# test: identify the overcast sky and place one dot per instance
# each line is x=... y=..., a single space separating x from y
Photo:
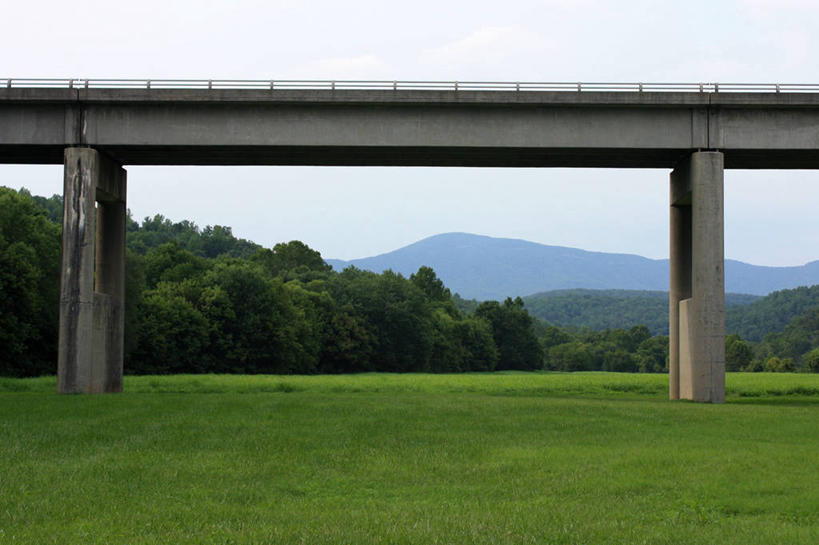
x=770 y=216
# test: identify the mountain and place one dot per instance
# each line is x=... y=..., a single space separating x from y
x=482 y=267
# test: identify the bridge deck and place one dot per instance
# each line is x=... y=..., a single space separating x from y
x=410 y=127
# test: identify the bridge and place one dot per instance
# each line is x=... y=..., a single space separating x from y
x=696 y=130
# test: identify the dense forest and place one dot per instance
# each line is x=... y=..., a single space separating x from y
x=200 y=300
x=771 y=314
x=609 y=309
x=750 y=317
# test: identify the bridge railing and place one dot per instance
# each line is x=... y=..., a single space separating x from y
x=396 y=85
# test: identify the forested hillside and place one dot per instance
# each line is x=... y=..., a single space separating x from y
x=749 y=316
x=608 y=309
x=200 y=300
x=776 y=332
x=772 y=313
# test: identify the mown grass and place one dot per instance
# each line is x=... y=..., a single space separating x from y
x=493 y=458
x=738 y=385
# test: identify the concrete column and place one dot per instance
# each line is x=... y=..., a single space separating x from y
x=680 y=283
x=697 y=347
x=109 y=296
x=92 y=291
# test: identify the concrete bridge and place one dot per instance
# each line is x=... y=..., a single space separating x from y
x=95 y=127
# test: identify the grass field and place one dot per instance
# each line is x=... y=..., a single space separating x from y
x=486 y=458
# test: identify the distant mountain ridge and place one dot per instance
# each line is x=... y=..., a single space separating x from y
x=482 y=267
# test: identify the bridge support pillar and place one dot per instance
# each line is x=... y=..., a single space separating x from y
x=696 y=362
x=92 y=285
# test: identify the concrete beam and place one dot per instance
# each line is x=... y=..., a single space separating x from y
x=697 y=326
x=92 y=288
x=432 y=128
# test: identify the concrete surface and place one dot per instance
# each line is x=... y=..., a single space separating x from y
x=679 y=287
x=446 y=128
x=698 y=277
x=92 y=286
x=687 y=369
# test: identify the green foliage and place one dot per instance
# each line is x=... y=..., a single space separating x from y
x=348 y=345
x=291 y=260
x=621 y=350
x=771 y=313
x=428 y=282
x=617 y=309
x=479 y=350
x=134 y=289
x=738 y=353
x=788 y=319
x=513 y=331
x=396 y=313
x=756 y=366
x=211 y=242
x=29 y=286
x=160 y=230
x=52 y=206
x=799 y=336
x=652 y=355
x=218 y=240
x=467 y=306
x=168 y=263
x=462 y=344
x=174 y=334
x=201 y=300
x=553 y=336
x=779 y=365
x=571 y=356
x=811 y=361
x=602 y=309
x=255 y=313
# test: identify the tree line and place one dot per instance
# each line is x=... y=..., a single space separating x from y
x=749 y=316
x=202 y=300
x=205 y=301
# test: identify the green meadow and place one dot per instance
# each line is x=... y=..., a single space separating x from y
x=380 y=458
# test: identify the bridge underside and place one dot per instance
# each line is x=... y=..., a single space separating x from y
x=411 y=156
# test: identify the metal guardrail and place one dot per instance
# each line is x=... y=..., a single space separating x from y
x=84 y=83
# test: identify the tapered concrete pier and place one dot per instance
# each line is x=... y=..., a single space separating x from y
x=697 y=284
x=92 y=288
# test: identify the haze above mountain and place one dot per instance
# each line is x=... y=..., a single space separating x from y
x=482 y=267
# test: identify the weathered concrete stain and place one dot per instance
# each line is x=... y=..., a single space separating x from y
x=91 y=324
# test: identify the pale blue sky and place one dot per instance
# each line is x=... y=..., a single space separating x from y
x=356 y=212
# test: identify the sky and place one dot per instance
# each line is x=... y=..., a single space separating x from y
x=770 y=216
